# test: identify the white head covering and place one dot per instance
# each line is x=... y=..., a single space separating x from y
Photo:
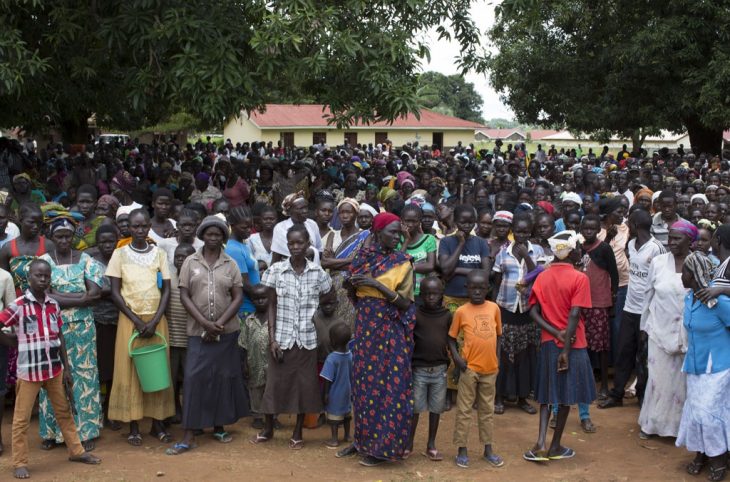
x=699 y=196
x=655 y=196
x=564 y=242
x=367 y=207
x=127 y=209
x=572 y=197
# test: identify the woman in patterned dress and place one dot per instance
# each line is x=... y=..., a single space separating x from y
x=382 y=285
x=76 y=281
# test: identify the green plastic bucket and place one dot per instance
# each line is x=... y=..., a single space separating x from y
x=150 y=361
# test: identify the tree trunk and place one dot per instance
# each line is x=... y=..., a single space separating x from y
x=75 y=129
x=703 y=139
x=636 y=140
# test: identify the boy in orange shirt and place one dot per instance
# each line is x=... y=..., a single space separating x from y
x=481 y=324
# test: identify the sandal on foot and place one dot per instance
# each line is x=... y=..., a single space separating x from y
x=180 y=448
x=259 y=439
x=494 y=459
x=433 y=455
x=113 y=425
x=134 y=439
x=566 y=453
x=48 y=444
x=717 y=473
x=499 y=408
x=86 y=458
x=223 y=437
x=695 y=467
x=462 y=461
x=406 y=454
x=348 y=451
x=89 y=445
x=21 y=473
x=332 y=444
x=162 y=436
x=587 y=425
x=370 y=461
x=535 y=456
x=527 y=408
x=296 y=444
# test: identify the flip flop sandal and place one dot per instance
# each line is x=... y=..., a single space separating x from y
x=533 y=456
x=587 y=426
x=259 y=439
x=134 y=440
x=462 y=461
x=406 y=454
x=494 y=459
x=527 y=408
x=717 y=473
x=332 y=444
x=223 y=437
x=163 y=437
x=566 y=454
x=180 y=448
x=499 y=409
x=433 y=455
x=348 y=451
x=296 y=444
x=695 y=467
x=87 y=459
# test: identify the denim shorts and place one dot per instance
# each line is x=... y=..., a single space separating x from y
x=429 y=389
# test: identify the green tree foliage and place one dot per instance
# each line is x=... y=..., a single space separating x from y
x=136 y=62
x=451 y=95
x=619 y=66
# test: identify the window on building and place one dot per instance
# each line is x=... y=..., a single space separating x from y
x=287 y=139
x=318 y=137
x=438 y=139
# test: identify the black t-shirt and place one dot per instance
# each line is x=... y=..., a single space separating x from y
x=431 y=335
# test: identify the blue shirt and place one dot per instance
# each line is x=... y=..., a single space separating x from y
x=475 y=250
x=336 y=370
x=708 y=335
x=241 y=254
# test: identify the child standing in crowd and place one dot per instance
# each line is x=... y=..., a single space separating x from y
x=186 y=226
x=564 y=373
x=336 y=374
x=430 y=361
x=480 y=323
x=42 y=363
x=254 y=339
x=177 y=322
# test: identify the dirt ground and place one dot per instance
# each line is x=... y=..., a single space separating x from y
x=614 y=453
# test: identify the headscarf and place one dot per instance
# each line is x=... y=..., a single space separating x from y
x=504 y=216
x=402 y=176
x=699 y=196
x=707 y=224
x=686 y=228
x=441 y=183
x=61 y=223
x=352 y=202
x=382 y=220
x=655 y=196
x=547 y=207
x=407 y=181
x=123 y=181
x=564 y=242
x=700 y=265
x=645 y=191
x=386 y=193
x=203 y=177
x=110 y=201
x=122 y=210
x=428 y=207
x=572 y=197
x=368 y=208
x=289 y=200
x=22 y=175
x=608 y=205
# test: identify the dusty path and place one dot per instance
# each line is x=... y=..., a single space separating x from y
x=614 y=453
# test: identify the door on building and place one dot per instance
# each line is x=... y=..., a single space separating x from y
x=351 y=138
x=287 y=139
x=381 y=137
x=318 y=137
x=438 y=140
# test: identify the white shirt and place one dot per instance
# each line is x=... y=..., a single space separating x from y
x=664 y=306
x=278 y=241
x=168 y=245
x=639 y=264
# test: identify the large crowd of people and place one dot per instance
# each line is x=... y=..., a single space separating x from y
x=359 y=286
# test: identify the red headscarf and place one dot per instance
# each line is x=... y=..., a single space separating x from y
x=382 y=220
x=547 y=207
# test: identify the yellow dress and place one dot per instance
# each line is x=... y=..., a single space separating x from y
x=138 y=273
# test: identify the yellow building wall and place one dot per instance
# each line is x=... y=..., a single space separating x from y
x=243 y=130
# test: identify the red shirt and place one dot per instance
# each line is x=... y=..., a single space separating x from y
x=558 y=289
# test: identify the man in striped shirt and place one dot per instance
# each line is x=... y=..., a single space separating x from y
x=42 y=363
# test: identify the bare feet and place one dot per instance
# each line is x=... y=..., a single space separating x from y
x=21 y=473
